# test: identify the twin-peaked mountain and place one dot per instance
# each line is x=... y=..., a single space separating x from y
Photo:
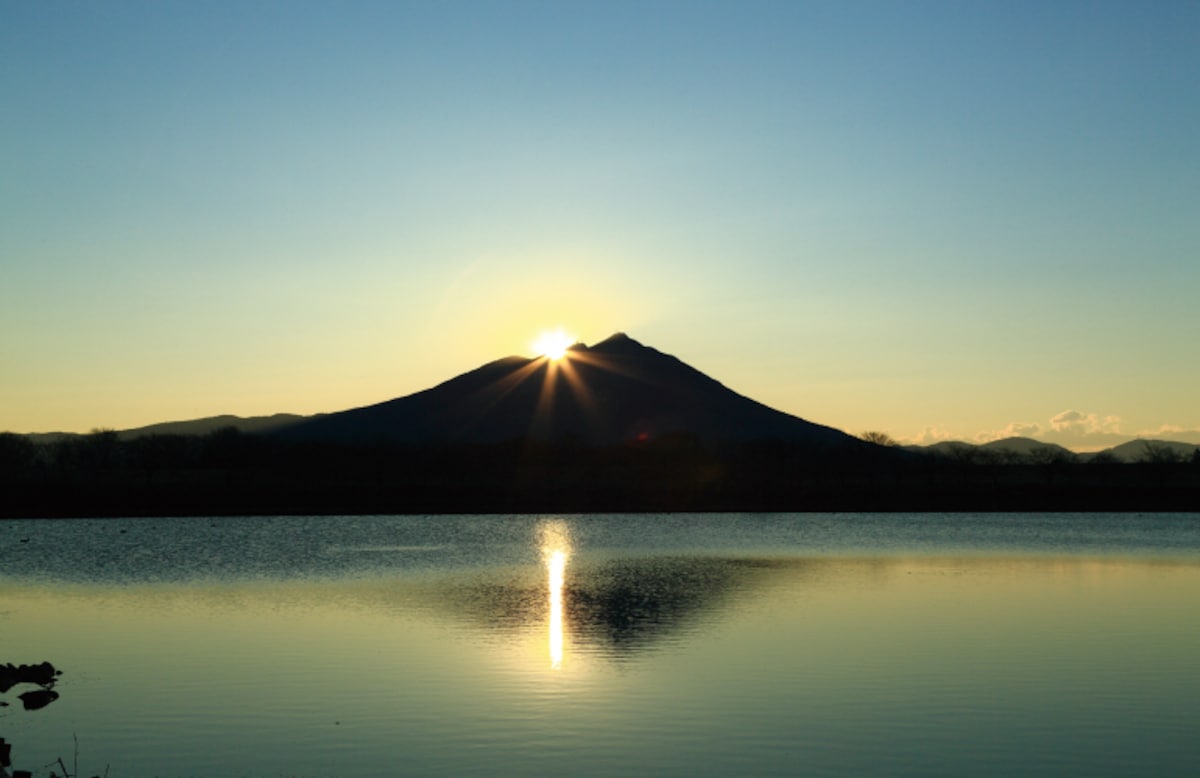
x=538 y=435
x=614 y=392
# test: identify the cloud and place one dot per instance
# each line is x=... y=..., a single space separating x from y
x=928 y=436
x=1015 y=429
x=1066 y=419
x=1083 y=431
x=1074 y=429
x=1171 y=432
x=1085 y=423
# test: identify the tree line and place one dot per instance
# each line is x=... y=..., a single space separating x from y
x=229 y=472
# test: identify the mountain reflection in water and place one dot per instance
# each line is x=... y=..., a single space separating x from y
x=613 y=609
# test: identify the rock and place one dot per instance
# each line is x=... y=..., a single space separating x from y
x=37 y=699
x=42 y=674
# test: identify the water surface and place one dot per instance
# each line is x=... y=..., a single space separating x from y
x=591 y=645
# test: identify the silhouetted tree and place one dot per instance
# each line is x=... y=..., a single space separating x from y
x=17 y=454
x=64 y=456
x=1011 y=456
x=100 y=449
x=156 y=453
x=233 y=451
x=1160 y=454
x=879 y=438
x=966 y=454
x=1049 y=455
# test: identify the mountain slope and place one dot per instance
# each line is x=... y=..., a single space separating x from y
x=615 y=391
x=209 y=424
x=1142 y=450
x=1026 y=446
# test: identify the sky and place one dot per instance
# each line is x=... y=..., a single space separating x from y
x=938 y=220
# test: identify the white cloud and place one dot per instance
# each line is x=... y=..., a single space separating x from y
x=1171 y=432
x=928 y=436
x=1066 y=419
x=1081 y=423
x=1015 y=429
x=1083 y=431
x=1073 y=429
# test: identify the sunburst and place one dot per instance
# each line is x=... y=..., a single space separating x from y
x=553 y=344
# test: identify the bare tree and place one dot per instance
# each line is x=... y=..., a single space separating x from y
x=879 y=438
x=101 y=448
x=17 y=453
x=1160 y=454
x=1049 y=455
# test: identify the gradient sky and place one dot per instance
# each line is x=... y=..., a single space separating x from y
x=958 y=219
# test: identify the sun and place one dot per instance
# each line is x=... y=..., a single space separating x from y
x=553 y=344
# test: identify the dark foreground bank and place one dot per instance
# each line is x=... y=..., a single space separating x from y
x=230 y=473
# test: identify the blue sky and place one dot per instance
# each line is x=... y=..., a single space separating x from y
x=935 y=219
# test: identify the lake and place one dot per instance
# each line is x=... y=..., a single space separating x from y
x=738 y=644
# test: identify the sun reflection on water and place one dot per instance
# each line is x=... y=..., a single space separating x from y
x=555 y=551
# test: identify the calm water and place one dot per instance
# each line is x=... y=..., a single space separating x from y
x=744 y=644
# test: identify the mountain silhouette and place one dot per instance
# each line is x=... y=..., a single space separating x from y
x=617 y=391
x=1030 y=451
x=204 y=426
x=613 y=427
x=1144 y=450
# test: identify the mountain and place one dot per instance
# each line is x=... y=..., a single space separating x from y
x=209 y=424
x=1142 y=450
x=613 y=392
x=1032 y=451
x=247 y=424
x=470 y=445
x=1026 y=446
x=1004 y=451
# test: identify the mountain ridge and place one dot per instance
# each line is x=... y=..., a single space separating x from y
x=616 y=427
x=1018 y=448
x=616 y=391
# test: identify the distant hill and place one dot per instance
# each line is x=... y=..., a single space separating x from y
x=1027 y=446
x=252 y=424
x=1039 y=452
x=1141 y=450
x=613 y=392
x=957 y=449
x=1006 y=450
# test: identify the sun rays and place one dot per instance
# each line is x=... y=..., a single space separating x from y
x=556 y=397
x=553 y=344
